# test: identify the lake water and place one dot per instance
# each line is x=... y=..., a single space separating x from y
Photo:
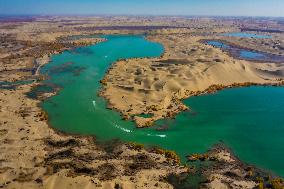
x=251 y=55
x=241 y=53
x=246 y=35
x=248 y=120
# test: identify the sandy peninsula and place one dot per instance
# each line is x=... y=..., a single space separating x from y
x=33 y=155
x=187 y=68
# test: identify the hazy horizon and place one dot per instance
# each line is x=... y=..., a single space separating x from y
x=234 y=8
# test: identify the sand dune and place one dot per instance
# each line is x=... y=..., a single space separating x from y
x=32 y=155
x=35 y=156
x=187 y=67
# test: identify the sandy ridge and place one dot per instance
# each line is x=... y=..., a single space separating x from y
x=188 y=67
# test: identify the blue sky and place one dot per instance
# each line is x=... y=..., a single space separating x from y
x=144 y=7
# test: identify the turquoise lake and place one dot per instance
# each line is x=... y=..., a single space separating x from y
x=242 y=53
x=250 y=121
x=246 y=54
x=246 y=35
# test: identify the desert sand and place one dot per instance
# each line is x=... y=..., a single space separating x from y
x=187 y=67
x=33 y=155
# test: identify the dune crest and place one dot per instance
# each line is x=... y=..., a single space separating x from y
x=156 y=86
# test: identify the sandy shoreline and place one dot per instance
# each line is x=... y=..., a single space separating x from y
x=49 y=159
x=156 y=86
x=33 y=155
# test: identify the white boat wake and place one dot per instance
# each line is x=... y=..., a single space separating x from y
x=130 y=131
x=162 y=136
x=123 y=129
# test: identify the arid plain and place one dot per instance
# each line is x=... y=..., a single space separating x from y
x=34 y=155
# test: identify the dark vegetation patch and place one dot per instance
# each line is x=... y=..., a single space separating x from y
x=79 y=164
x=107 y=171
x=103 y=172
x=62 y=143
x=66 y=153
x=38 y=91
x=140 y=161
x=236 y=170
x=110 y=146
x=183 y=181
